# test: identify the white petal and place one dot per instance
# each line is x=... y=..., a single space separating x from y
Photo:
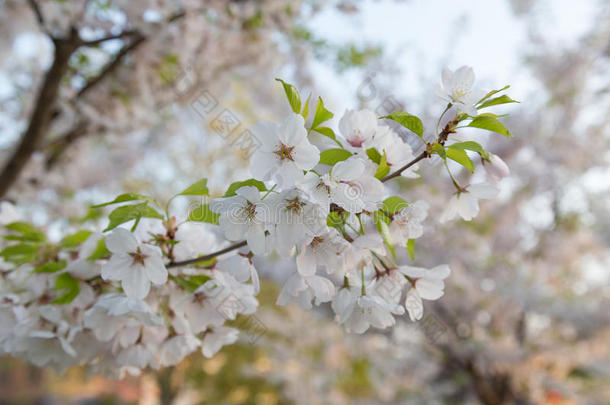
x=155 y=269
x=450 y=211
x=263 y=165
x=306 y=156
x=430 y=289
x=250 y=193
x=117 y=266
x=292 y=131
x=120 y=240
x=349 y=169
x=439 y=272
x=484 y=191
x=135 y=283
x=267 y=134
x=414 y=305
x=306 y=262
x=468 y=206
x=256 y=238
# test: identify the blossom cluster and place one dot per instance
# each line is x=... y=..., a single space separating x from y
x=146 y=297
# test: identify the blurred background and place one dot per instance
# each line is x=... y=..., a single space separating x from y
x=524 y=319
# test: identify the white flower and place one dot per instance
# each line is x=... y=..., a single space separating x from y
x=218 y=337
x=295 y=219
x=496 y=168
x=359 y=311
x=135 y=265
x=348 y=185
x=242 y=269
x=326 y=250
x=284 y=151
x=243 y=215
x=358 y=129
x=457 y=89
x=361 y=252
x=301 y=290
x=119 y=319
x=407 y=222
x=173 y=350
x=466 y=203
x=194 y=239
x=427 y=285
x=398 y=153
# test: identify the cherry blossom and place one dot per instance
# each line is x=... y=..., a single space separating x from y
x=243 y=215
x=466 y=203
x=457 y=89
x=135 y=265
x=284 y=151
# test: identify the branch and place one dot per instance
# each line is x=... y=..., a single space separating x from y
x=58 y=146
x=397 y=173
x=112 y=65
x=109 y=37
x=41 y=114
x=442 y=138
x=209 y=256
x=39 y=17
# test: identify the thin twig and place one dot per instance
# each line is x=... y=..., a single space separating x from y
x=98 y=41
x=209 y=256
x=39 y=17
x=397 y=173
x=112 y=65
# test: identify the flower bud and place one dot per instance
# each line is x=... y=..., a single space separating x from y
x=496 y=168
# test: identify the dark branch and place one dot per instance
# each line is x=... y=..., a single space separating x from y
x=397 y=173
x=208 y=257
x=112 y=65
x=98 y=41
x=41 y=114
x=39 y=17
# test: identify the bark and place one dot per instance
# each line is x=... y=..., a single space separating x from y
x=41 y=114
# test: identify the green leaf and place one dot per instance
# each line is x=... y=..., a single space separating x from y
x=198 y=188
x=439 y=150
x=383 y=169
x=128 y=213
x=203 y=213
x=469 y=145
x=408 y=121
x=491 y=93
x=305 y=111
x=329 y=133
x=374 y=155
x=332 y=156
x=100 y=251
x=292 y=95
x=128 y=197
x=411 y=248
x=27 y=231
x=51 y=267
x=460 y=156
x=504 y=99
x=75 y=239
x=322 y=115
x=69 y=288
x=20 y=253
x=490 y=124
x=190 y=283
x=394 y=204
x=239 y=184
